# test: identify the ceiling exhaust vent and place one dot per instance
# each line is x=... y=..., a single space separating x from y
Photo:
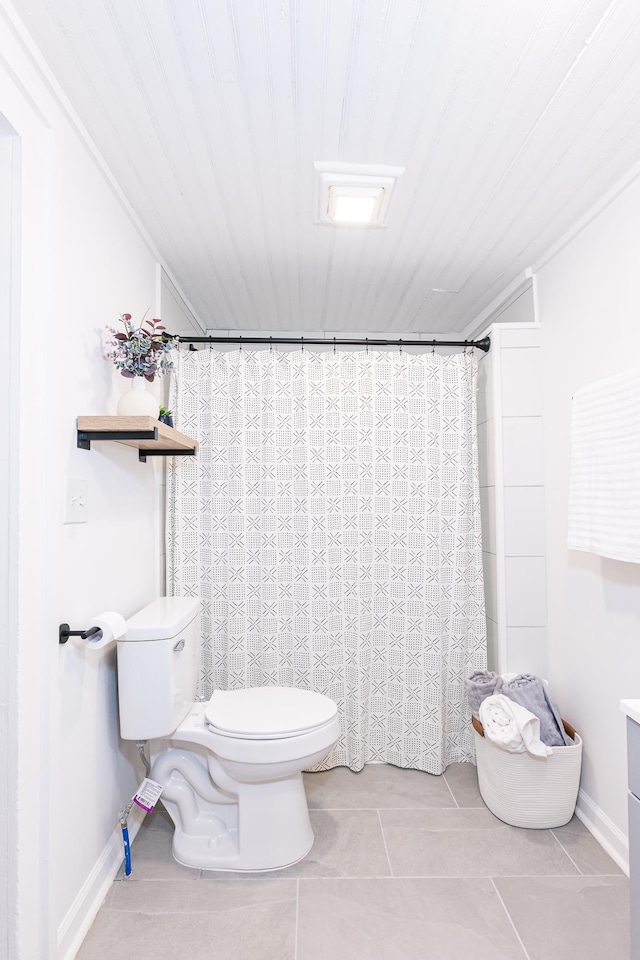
x=350 y=194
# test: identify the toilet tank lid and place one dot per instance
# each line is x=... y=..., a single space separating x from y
x=162 y=619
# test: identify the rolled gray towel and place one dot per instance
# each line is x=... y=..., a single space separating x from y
x=479 y=685
x=531 y=692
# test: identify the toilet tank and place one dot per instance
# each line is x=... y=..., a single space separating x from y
x=158 y=664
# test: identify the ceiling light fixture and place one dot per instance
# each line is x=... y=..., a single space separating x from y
x=351 y=194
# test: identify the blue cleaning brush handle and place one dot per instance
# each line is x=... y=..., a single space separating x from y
x=127 y=851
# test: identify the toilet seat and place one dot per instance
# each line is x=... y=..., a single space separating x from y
x=268 y=713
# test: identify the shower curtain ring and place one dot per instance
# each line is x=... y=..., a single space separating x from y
x=400 y=346
x=301 y=344
x=433 y=348
x=334 y=344
x=367 y=347
x=270 y=344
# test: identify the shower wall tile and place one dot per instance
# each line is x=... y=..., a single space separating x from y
x=526 y=592
x=524 y=531
x=492 y=645
x=486 y=453
x=527 y=650
x=488 y=518
x=513 y=339
x=523 y=459
x=490 y=584
x=511 y=469
x=521 y=383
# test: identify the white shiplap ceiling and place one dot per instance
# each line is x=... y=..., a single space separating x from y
x=511 y=118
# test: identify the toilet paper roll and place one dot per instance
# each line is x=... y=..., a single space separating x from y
x=113 y=626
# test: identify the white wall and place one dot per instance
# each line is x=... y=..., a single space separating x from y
x=83 y=261
x=588 y=297
x=8 y=598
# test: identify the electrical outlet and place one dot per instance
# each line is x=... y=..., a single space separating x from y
x=75 y=502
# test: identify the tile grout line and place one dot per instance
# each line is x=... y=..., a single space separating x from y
x=444 y=777
x=564 y=850
x=190 y=913
x=403 y=876
x=524 y=949
x=358 y=809
x=384 y=841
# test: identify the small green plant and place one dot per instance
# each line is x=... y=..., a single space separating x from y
x=166 y=416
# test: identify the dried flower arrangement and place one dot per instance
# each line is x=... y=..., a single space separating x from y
x=140 y=351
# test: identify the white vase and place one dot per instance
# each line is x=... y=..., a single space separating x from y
x=137 y=401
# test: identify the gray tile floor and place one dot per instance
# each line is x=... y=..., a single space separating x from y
x=405 y=866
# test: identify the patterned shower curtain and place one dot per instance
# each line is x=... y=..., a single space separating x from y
x=331 y=525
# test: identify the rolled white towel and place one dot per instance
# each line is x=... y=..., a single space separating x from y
x=512 y=726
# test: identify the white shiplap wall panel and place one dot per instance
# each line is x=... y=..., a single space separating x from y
x=557 y=180
x=515 y=192
x=176 y=99
x=458 y=187
x=511 y=119
x=444 y=156
x=121 y=86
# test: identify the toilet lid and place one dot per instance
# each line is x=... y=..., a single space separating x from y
x=262 y=713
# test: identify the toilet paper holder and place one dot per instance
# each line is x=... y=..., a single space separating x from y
x=64 y=633
x=103 y=630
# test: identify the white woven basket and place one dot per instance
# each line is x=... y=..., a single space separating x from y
x=528 y=791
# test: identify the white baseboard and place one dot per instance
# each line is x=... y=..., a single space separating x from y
x=610 y=837
x=82 y=912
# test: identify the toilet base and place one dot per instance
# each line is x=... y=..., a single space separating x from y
x=258 y=827
x=196 y=852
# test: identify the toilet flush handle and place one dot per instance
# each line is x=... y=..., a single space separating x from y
x=179 y=646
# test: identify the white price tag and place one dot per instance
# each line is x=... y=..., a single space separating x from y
x=149 y=792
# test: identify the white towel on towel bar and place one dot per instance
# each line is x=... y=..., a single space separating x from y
x=604 y=484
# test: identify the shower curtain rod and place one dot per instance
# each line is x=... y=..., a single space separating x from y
x=484 y=344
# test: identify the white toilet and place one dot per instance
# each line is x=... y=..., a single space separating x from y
x=231 y=767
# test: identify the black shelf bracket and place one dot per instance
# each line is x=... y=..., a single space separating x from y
x=86 y=436
x=143 y=454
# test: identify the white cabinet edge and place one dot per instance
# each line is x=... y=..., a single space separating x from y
x=631 y=708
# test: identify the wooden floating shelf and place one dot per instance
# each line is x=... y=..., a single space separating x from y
x=152 y=438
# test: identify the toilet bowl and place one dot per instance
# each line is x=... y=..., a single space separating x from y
x=231 y=767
